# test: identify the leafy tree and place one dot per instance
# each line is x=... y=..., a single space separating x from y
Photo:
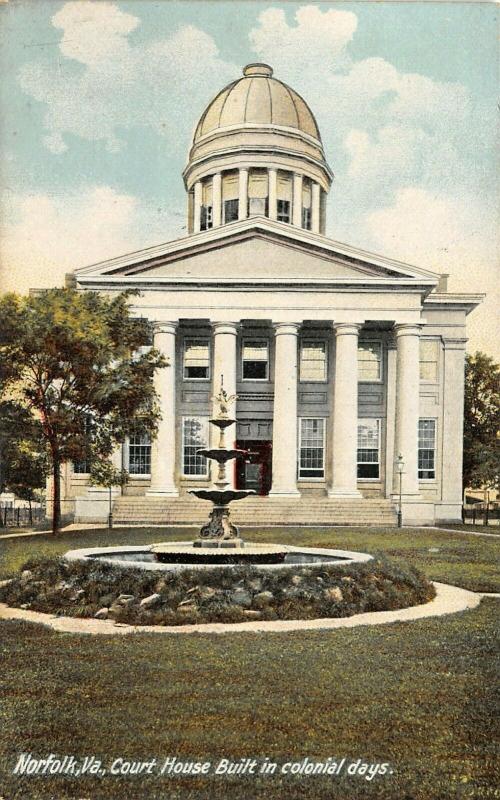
x=78 y=362
x=482 y=422
x=23 y=458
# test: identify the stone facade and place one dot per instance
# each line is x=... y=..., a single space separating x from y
x=341 y=359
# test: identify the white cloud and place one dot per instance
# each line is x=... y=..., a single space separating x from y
x=107 y=83
x=43 y=237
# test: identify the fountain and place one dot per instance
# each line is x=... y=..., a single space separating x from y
x=219 y=533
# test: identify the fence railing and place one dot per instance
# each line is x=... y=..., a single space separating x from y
x=481 y=513
x=22 y=516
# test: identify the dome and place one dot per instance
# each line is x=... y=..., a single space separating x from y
x=257 y=99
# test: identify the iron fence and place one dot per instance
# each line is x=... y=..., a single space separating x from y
x=20 y=516
x=481 y=513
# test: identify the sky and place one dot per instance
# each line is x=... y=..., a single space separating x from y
x=99 y=101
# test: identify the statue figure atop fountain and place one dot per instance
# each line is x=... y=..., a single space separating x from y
x=219 y=531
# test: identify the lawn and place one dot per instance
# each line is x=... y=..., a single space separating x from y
x=418 y=696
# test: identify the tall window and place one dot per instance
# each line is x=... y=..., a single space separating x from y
x=196 y=359
x=139 y=454
x=369 y=361
x=206 y=218
x=194 y=438
x=313 y=361
x=255 y=358
x=283 y=211
x=429 y=360
x=312 y=448
x=306 y=218
x=230 y=210
x=369 y=448
x=426 y=449
x=82 y=467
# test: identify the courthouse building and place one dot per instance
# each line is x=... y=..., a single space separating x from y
x=341 y=360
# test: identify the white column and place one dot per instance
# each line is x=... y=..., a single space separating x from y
x=272 y=193
x=407 y=403
x=390 y=421
x=163 y=445
x=285 y=411
x=197 y=207
x=217 y=199
x=297 y=200
x=224 y=366
x=345 y=412
x=452 y=434
x=243 y=194
x=315 y=211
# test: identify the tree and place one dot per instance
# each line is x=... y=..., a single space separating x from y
x=23 y=458
x=78 y=363
x=481 y=422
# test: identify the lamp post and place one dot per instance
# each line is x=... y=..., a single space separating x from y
x=110 y=514
x=400 y=467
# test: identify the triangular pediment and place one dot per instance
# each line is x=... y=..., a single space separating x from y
x=256 y=249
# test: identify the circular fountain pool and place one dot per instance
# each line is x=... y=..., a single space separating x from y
x=184 y=556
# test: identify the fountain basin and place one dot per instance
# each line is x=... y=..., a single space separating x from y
x=221 y=497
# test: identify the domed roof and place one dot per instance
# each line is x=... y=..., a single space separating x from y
x=255 y=99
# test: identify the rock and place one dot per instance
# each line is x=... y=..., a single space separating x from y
x=161 y=585
x=250 y=614
x=106 y=600
x=319 y=580
x=26 y=575
x=79 y=595
x=187 y=608
x=206 y=592
x=125 y=600
x=296 y=580
x=334 y=594
x=347 y=579
x=151 y=601
x=241 y=597
x=25 y=605
x=188 y=602
x=193 y=589
x=255 y=584
x=102 y=613
x=293 y=591
x=263 y=599
x=63 y=586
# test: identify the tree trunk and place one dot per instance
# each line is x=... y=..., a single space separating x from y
x=56 y=503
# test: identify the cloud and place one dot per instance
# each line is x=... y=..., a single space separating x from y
x=43 y=237
x=108 y=83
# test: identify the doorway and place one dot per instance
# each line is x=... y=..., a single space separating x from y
x=254 y=472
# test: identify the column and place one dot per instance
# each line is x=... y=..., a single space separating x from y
x=315 y=207
x=272 y=193
x=345 y=412
x=243 y=194
x=217 y=199
x=285 y=411
x=452 y=428
x=163 y=445
x=390 y=455
x=297 y=200
x=407 y=403
x=197 y=207
x=224 y=364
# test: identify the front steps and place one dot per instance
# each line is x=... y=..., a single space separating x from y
x=257 y=511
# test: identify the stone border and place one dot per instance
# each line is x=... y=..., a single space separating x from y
x=448 y=600
x=345 y=557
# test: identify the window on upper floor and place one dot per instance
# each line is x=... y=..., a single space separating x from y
x=313 y=367
x=206 y=218
x=429 y=355
x=231 y=210
x=369 y=448
x=196 y=360
x=306 y=219
x=311 y=448
x=194 y=438
x=426 y=449
x=283 y=210
x=255 y=360
x=369 y=361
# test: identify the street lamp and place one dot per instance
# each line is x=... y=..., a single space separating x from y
x=110 y=514
x=400 y=467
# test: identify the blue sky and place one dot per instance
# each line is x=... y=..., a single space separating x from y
x=99 y=100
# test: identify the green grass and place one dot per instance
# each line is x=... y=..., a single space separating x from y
x=419 y=695
x=467 y=561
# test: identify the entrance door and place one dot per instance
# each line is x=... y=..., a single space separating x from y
x=254 y=472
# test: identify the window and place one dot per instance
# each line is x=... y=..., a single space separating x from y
x=426 y=449
x=230 y=210
x=194 y=438
x=306 y=218
x=369 y=361
x=196 y=360
x=369 y=448
x=255 y=358
x=283 y=211
x=139 y=454
x=206 y=218
x=312 y=448
x=82 y=467
x=313 y=361
x=429 y=360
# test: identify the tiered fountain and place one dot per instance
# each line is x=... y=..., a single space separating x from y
x=219 y=541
